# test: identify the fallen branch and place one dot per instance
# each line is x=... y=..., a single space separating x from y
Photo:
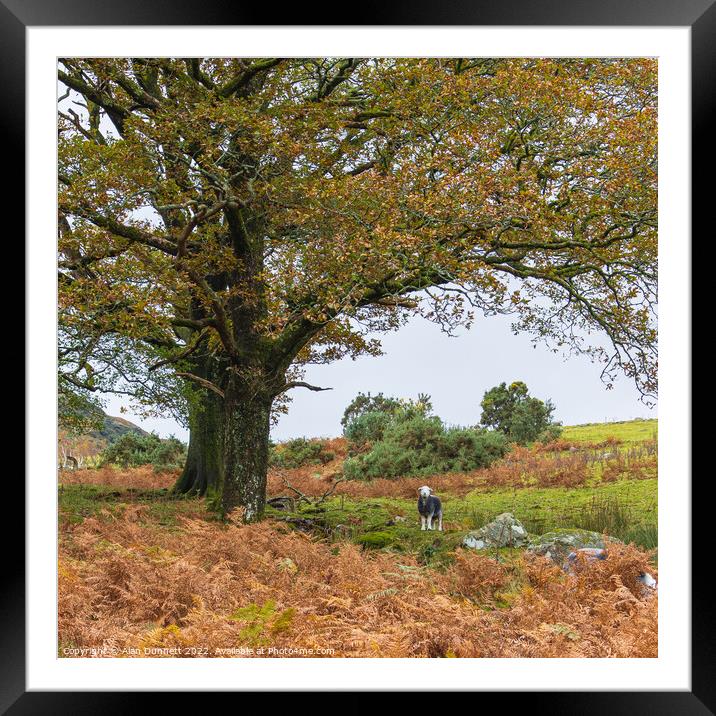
x=300 y=495
x=331 y=490
x=313 y=501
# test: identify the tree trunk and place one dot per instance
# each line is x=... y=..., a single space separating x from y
x=247 y=421
x=203 y=472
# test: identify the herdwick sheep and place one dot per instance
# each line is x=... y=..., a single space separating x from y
x=429 y=507
x=647 y=580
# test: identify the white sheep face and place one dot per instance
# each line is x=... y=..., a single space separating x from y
x=425 y=491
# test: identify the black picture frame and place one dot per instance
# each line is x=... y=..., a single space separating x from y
x=699 y=15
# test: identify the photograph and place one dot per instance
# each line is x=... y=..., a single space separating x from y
x=357 y=357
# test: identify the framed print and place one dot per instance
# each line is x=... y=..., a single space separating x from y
x=344 y=346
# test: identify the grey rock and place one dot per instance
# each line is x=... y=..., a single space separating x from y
x=557 y=545
x=504 y=531
x=471 y=541
x=590 y=553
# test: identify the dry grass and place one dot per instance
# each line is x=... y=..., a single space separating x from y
x=132 y=580
x=539 y=466
x=562 y=444
x=126 y=582
x=144 y=477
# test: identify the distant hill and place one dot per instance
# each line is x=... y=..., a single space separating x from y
x=94 y=442
x=115 y=427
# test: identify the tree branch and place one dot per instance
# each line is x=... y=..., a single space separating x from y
x=183 y=354
x=116 y=112
x=204 y=383
x=118 y=229
x=299 y=384
x=242 y=79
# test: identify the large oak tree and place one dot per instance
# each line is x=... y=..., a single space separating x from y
x=244 y=217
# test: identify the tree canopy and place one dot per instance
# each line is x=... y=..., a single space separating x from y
x=271 y=213
x=521 y=417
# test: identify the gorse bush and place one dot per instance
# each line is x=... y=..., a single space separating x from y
x=367 y=428
x=367 y=417
x=392 y=437
x=299 y=452
x=422 y=445
x=135 y=450
x=367 y=403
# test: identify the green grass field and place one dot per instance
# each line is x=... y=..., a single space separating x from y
x=625 y=508
x=628 y=431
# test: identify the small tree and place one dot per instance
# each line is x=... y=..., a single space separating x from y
x=522 y=418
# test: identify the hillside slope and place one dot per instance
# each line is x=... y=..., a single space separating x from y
x=627 y=431
x=92 y=443
x=343 y=568
x=114 y=427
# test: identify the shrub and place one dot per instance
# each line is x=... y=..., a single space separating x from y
x=299 y=452
x=470 y=448
x=367 y=417
x=367 y=428
x=134 y=450
x=422 y=445
x=383 y=460
x=367 y=403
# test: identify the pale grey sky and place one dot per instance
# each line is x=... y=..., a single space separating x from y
x=454 y=371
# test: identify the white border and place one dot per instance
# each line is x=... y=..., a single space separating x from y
x=671 y=671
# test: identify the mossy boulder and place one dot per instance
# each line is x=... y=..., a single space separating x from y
x=559 y=543
x=375 y=540
x=504 y=531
